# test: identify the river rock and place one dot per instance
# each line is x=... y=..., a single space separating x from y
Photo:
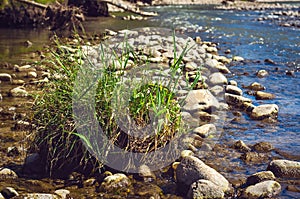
x=18 y=92
x=217 y=79
x=5 y=77
x=205 y=189
x=25 y=68
x=190 y=66
x=212 y=50
x=18 y=82
x=241 y=146
x=233 y=90
x=236 y=100
x=254 y=157
x=232 y=82
x=9 y=192
x=238 y=59
x=205 y=130
x=217 y=90
x=201 y=99
x=1 y=98
x=260 y=95
x=263 y=147
x=63 y=193
x=6 y=173
x=285 y=168
x=114 y=182
x=265 y=111
x=262 y=73
x=31 y=74
x=192 y=169
x=259 y=177
x=255 y=86
x=265 y=189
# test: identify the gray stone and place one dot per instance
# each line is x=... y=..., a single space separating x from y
x=192 y=169
x=265 y=111
x=5 y=77
x=217 y=79
x=18 y=92
x=236 y=100
x=200 y=100
x=262 y=73
x=265 y=189
x=6 y=173
x=233 y=90
x=114 y=182
x=190 y=66
x=285 y=168
x=217 y=90
x=205 y=189
x=205 y=130
x=259 y=177
x=9 y=192
x=211 y=63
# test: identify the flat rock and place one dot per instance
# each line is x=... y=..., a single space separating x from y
x=265 y=189
x=260 y=95
x=285 y=168
x=259 y=177
x=192 y=169
x=217 y=79
x=5 y=77
x=233 y=90
x=265 y=111
x=236 y=100
x=205 y=189
x=200 y=100
x=205 y=130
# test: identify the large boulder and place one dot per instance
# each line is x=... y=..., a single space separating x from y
x=285 y=168
x=192 y=169
x=265 y=111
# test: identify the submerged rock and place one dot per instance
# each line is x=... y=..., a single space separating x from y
x=265 y=189
x=241 y=146
x=262 y=73
x=192 y=169
x=259 y=177
x=265 y=111
x=285 y=168
x=263 y=147
x=202 y=189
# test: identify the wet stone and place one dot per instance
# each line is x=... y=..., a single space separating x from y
x=6 y=173
x=205 y=189
x=265 y=111
x=255 y=86
x=233 y=90
x=260 y=95
x=265 y=189
x=205 y=130
x=262 y=73
x=285 y=168
x=236 y=100
x=114 y=182
x=259 y=177
x=254 y=157
x=263 y=147
x=241 y=146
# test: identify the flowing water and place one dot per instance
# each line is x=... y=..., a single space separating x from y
x=238 y=31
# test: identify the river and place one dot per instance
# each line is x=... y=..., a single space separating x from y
x=238 y=31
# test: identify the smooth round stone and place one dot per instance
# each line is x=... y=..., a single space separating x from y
x=265 y=111
x=262 y=73
x=233 y=90
x=260 y=95
x=218 y=79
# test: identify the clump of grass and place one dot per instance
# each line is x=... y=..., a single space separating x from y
x=63 y=149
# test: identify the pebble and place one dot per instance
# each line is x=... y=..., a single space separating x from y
x=262 y=73
x=5 y=77
x=265 y=111
x=285 y=168
x=18 y=92
x=114 y=182
x=241 y=146
x=205 y=189
x=255 y=86
x=233 y=90
x=260 y=177
x=265 y=189
x=217 y=79
x=9 y=192
x=6 y=173
x=32 y=74
x=205 y=130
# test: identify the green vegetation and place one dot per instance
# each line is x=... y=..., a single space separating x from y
x=56 y=137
